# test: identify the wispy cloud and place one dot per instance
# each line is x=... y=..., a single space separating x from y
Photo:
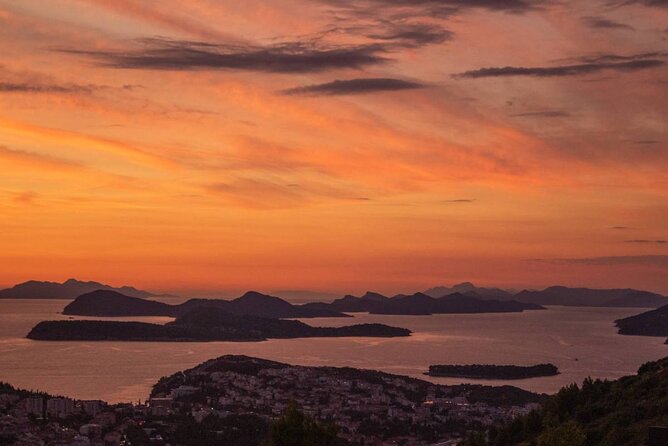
x=643 y=241
x=516 y=6
x=37 y=159
x=291 y=57
x=26 y=87
x=411 y=34
x=354 y=86
x=604 y=23
x=459 y=201
x=641 y=260
x=543 y=114
x=562 y=70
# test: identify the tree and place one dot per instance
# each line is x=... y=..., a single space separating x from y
x=566 y=434
x=294 y=428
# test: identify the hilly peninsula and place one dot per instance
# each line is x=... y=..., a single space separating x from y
x=202 y=324
x=486 y=371
x=649 y=323
x=112 y=304
x=69 y=289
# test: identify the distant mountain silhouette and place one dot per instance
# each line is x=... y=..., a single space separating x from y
x=560 y=295
x=202 y=324
x=581 y=297
x=650 y=323
x=69 y=289
x=113 y=304
x=422 y=304
x=469 y=289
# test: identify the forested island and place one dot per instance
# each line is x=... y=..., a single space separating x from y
x=486 y=371
x=202 y=324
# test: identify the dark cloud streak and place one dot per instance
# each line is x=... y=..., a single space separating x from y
x=354 y=86
x=25 y=87
x=295 y=57
x=561 y=70
x=603 y=23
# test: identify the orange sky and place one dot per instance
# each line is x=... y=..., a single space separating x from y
x=334 y=145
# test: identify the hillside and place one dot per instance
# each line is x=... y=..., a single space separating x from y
x=650 y=323
x=599 y=413
x=69 y=289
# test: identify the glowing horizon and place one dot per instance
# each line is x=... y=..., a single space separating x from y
x=334 y=145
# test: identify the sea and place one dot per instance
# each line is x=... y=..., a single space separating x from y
x=582 y=342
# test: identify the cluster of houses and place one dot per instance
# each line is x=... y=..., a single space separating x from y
x=361 y=404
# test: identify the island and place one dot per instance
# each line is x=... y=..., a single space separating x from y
x=560 y=295
x=202 y=324
x=107 y=303
x=486 y=371
x=70 y=289
x=422 y=304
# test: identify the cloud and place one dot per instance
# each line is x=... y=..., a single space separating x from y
x=25 y=198
x=515 y=6
x=543 y=114
x=264 y=193
x=562 y=70
x=412 y=34
x=655 y=260
x=646 y=241
x=459 y=200
x=37 y=159
x=658 y=3
x=291 y=57
x=354 y=86
x=604 y=58
x=25 y=87
x=603 y=23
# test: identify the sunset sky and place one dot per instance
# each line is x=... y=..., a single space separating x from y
x=334 y=145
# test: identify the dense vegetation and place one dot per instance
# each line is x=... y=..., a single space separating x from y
x=484 y=371
x=599 y=413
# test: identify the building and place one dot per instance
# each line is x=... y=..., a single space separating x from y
x=91 y=430
x=658 y=436
x=59 y=407
x=92 y=407
x=35 y=406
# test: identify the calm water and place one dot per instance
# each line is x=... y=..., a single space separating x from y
x=580 y=341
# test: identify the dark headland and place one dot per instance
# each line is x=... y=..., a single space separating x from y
x=486 y=371
x=649 y=323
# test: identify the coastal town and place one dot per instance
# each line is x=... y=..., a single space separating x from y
x=235 y=393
